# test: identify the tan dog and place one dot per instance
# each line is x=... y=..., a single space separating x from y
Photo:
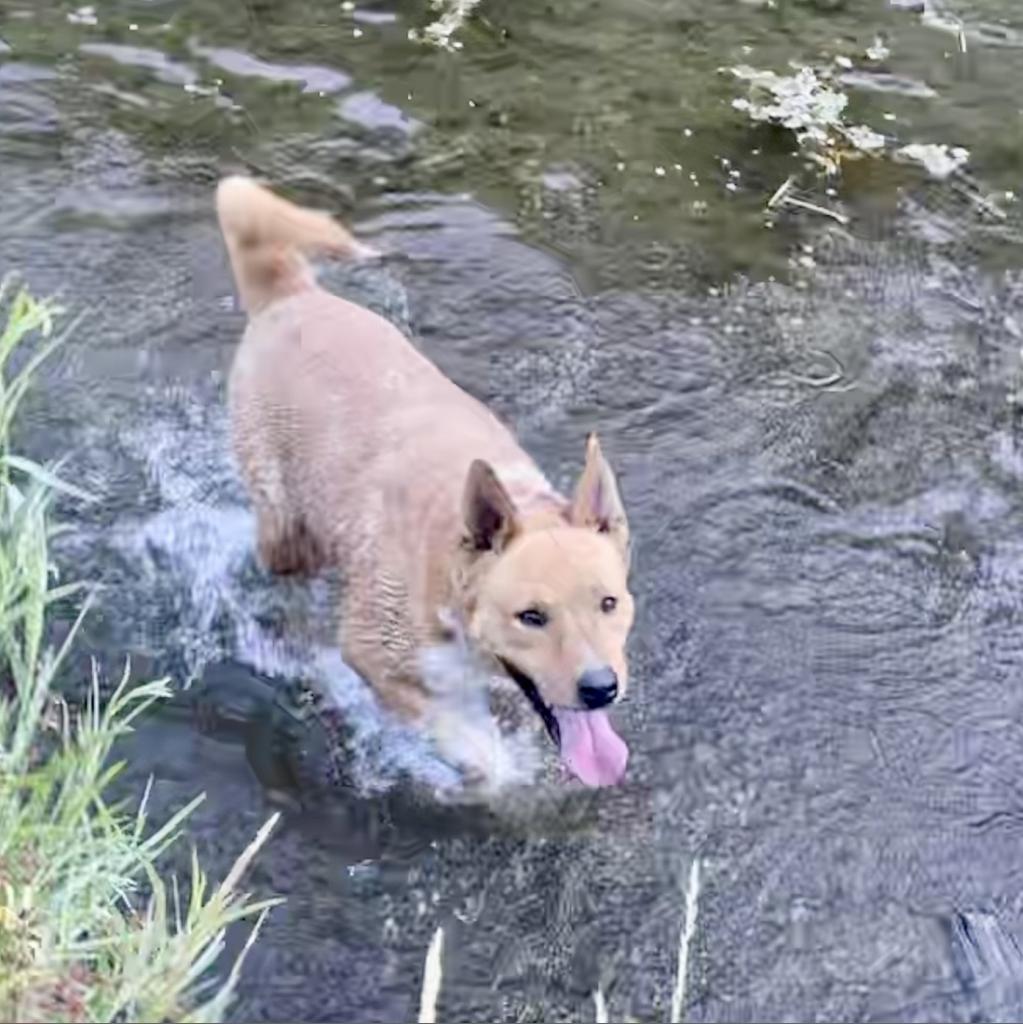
x=462 y=565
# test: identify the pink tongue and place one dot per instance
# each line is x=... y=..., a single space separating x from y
x=590 y=747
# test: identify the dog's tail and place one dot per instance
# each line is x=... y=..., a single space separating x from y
x=267 y=238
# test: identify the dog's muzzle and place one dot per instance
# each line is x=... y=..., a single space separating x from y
x=584 y=737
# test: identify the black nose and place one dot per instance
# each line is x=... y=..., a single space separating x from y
x=598 y=687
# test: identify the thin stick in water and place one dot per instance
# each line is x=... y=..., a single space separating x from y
x=824 y=211
x=599 y=1006
x=432 y=975
x=678 y=996
x=780 y=192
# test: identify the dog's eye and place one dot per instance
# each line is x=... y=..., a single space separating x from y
x=532 y=617
x=608 y=605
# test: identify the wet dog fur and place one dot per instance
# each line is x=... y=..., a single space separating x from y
x=464 y=571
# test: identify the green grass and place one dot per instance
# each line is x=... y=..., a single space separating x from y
x=89 y=930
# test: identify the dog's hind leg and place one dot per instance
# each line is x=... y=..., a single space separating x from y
x=285 y=543
x=283 y=540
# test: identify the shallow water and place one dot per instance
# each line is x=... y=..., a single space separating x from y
x=825 y=707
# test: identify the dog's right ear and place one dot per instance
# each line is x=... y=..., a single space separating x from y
x=488 y=511
x=597 y=504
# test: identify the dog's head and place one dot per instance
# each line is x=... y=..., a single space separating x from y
x=547 y=597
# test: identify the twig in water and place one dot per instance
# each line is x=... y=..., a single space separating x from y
x=432 y=975
x=802 y=204
x=950 y=23
x=678 y=996
x=599 y=1006
x=978 y=200
x=781 y=197
x=825 y=381
x=781 y=192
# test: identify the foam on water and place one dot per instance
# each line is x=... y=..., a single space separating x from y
x=199 y=588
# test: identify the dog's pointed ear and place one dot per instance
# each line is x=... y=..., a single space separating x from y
x=490 y=518
x=597 y=505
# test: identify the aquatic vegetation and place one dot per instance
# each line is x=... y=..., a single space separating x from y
x=805 y=102
x=89 y=930
x=433 y=972
x=685 y=939
x=812 y=105
x=938 y=160
x=453 y=14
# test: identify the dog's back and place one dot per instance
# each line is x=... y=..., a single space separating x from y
x=345 y=433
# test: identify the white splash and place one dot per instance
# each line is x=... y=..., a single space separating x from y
x=207 y=599
x=464 y=729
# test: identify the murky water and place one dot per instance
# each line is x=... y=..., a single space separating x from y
x=826 y=709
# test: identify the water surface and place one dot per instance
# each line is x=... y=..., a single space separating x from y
x=826 y=706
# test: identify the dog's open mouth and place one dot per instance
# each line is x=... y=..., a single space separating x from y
x=589 y=747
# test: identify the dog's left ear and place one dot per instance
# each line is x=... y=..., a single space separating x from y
x=597 y=503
